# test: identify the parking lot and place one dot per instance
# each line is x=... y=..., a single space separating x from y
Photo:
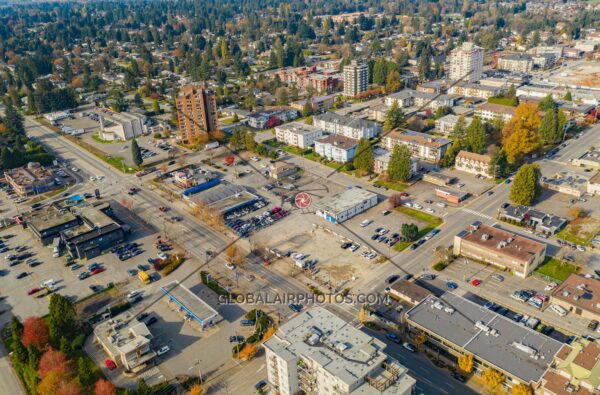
x=152 y=150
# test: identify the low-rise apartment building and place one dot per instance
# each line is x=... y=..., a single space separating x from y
x=516 y=62
x=337 y=148
x=574 y=370
x=423 y=146
x=298 y=134
x=317 y=352
x=469 y=89
x=490 y=111
x=462 y=327
x=381 y=160
x=348 y=126
x=470 y=162
x=31 y=179
x=318 y=104
x=271 y=118
x=445 y=125
x=409 y=97
x=579 y=295
x=500 y=248
x=593 y=186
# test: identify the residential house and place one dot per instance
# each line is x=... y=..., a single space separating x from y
x=270 y=118
x=381 y=160
x=539 y=221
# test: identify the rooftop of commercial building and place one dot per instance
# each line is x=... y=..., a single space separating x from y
x=345 y=200
x=501 y=241
x=516 y=56
x=123 y=334
x=189 y=301
x=591 y=156
x=581 y=292
x=224 y=197
x=29 y=174
x=512 y=348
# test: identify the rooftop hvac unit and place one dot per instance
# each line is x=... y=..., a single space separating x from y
x=482 y=326
x=485 y=236
x=438 y=305
x=342 y=346
x=502 y=244
x=449 y=310
x=525 y=348
x=313 y=339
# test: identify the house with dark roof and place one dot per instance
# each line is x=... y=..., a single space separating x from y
x=537 y=220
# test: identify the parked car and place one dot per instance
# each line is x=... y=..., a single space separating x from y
x=409 y=347
x=110 y=364
x=392 y=279
x=296 y=308
x=497 y=277
x=451 y=285
x=475 y=282
x=22 y=275
x=393 y=337
x=33 y=291
x=163 y=350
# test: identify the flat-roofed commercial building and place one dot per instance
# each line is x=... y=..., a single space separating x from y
x=121 y=125
x=504 y=249
x=127 y=342
x=343 y=206
x=580 y=296
x=317 y=352
x=190 y=305
x=30 y=179
x=463 y=327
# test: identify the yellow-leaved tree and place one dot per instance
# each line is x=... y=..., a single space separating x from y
x=492 y=378
x=520 y=135
x=465 y=363
x=521 y=389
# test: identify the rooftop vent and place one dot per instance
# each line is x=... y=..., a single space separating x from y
x=502 y=244
x=485 y=236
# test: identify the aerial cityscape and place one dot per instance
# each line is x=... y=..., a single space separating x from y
x=326 y=197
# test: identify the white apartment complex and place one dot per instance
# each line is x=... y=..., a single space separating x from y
x=354 y=128
x=468 y=58
x=336 y=147
x=445 y=125
x=516 y=62
x=298 y=134
x=317 y=353
x=356 y=78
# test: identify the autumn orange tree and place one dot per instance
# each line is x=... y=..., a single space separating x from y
x=104 y=387
x=520 y=136
x=58 y=383
x=35 y=332
x=492 y=378
x=196 y=389
x=269 y=333
x=465 y=363
x=248 y=352
x=53 y=360
x=521 y=389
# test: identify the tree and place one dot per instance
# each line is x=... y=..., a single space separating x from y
x=568 y=96
x=499 y=167
x=86 y=373
x=156 y=107
x=399 y=167
x=196 y=389
x=248 y=352
x=363 y=159
x=136 y=154
x=393 y=81
x=379 y=71
x=249 y=141
x=409 y=232
x=35 y=333
x=104 y=387
x=13 y=121
x=143 y=388
x=395 y=200
x=525 y=187
x=61 y=316
x=234 y=255
x=459 y=129
x=576 y=212
x=282 y=96
x=492 y=378
x=307 y=109
x=394 y=119
x=520 y=135
x=420 y=340
x=52 y=382
x=465 y=363
x=53 y=360
x=521 y=389
x=475 y=136
x=547 y=103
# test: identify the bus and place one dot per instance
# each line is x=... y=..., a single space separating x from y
x=144 y=277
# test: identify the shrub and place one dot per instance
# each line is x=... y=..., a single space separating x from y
x=440 y=266
x=254 y=338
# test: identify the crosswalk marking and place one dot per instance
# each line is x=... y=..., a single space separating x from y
x=477 y=213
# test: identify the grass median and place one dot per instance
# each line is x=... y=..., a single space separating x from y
x=556 y=269
x=431 y=220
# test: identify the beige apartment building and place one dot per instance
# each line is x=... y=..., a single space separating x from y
x=500 y=248
x=196 y=112
x=466 y=63
x=473 y=163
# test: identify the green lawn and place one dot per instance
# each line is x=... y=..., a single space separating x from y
x=431 y=220
x=395 y=186
x=96 y=137
x=574 y=234
x=118 y=163
x=556 y=269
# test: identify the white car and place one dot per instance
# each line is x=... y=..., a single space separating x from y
x=255 y=158
x=407 y=204
x=74 y=169
x=163 y=350
x=366 y=223
x=92 y=178
x=442 y=205
x=354 y=247
x=163 y=255
x=430 y=210
x=230 y=266
x=550 y=287
x=409 y=347
x=417 y=205
x=581 y=248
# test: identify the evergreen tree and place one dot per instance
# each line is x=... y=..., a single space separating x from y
x=475 y=136
x=399 y=167
x=459 y=130
x=136 y=154
x=425 y=64
x=363 y=159
x=525 y=187
x=499 y=167
x=156 y=107
x=394 y=119
x=61 y=317
x=568 y=96
x=379 y=72
x=549 y=126
x=547 y=103
x=13 y=121
x=451 y=152
x=409 y=232
x=249 y=141
x=137 y=100
x=8 y=160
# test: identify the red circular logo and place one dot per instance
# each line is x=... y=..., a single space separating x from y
x=302 y=200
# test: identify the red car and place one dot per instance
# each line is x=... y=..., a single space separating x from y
x=163 y=209
x=110 y=364
x=33 y=291
x=543 y=298
x=98 y=270
x=475 y=282
x=404 y=194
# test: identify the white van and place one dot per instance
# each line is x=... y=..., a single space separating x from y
x=558 y=310
x=48 y=284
